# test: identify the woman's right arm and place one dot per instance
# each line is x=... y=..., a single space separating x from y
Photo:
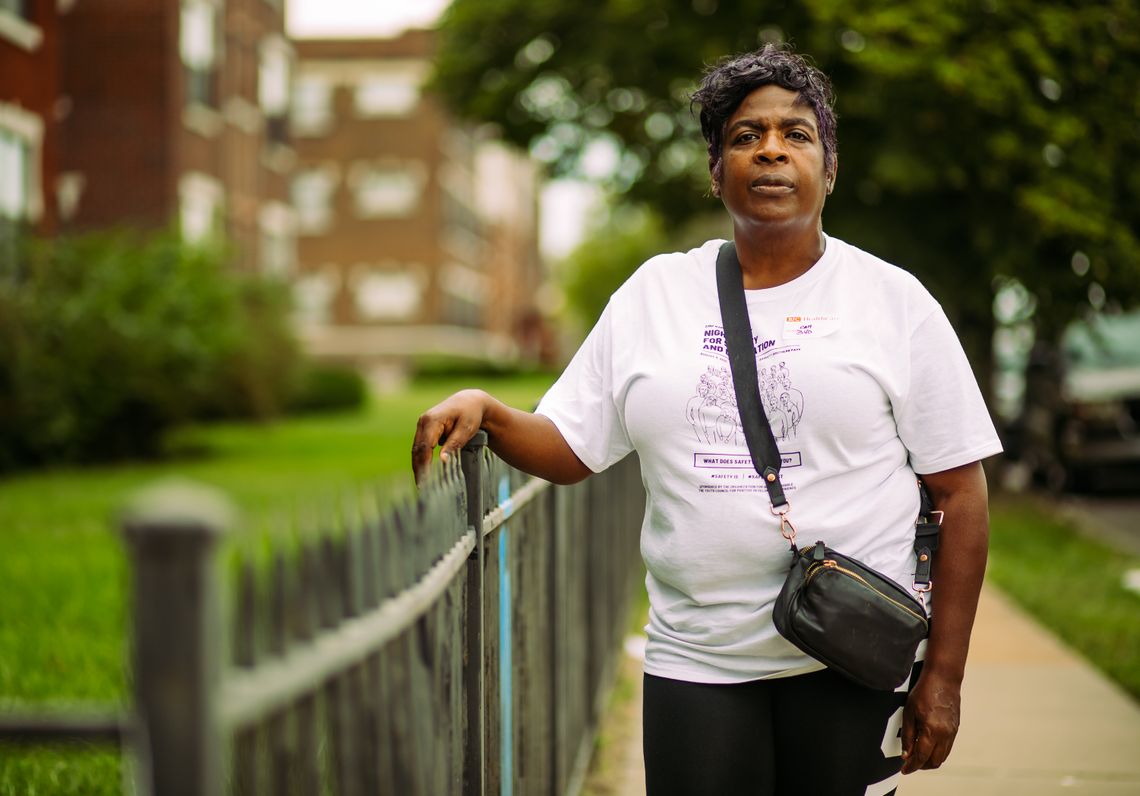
x=530 y=442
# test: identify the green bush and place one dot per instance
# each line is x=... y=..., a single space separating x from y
x=107 y=340
x=261 y=369
x=428 y=367
x=325 y=388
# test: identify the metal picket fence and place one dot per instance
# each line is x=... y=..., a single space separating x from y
x=462 y=643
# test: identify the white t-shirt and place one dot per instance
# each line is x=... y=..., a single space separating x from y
x=864 y=383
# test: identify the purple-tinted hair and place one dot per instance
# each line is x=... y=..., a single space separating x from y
x=726 y=84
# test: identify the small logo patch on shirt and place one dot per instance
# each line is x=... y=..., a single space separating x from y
x=809 y=325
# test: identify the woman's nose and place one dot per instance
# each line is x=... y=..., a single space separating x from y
x=771 y=149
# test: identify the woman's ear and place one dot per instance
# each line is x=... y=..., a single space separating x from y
x=831 y=176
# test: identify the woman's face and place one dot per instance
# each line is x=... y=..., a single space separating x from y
x=773 y=162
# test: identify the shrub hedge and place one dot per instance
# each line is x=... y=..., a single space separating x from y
x=109 y=339
x=327 y=388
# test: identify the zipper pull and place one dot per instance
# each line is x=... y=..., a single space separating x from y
x=819 y=552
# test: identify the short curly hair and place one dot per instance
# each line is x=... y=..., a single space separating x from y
x=726 y=84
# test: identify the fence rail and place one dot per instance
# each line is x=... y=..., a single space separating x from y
x=461 y=643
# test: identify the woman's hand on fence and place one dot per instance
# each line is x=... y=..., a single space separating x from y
x=530 y=442
x=450 y=424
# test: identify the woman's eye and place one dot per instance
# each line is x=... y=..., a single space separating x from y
x=798 y=136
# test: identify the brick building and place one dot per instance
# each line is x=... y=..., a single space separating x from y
x=174 y=112
x=29 y=90
x=417 y=233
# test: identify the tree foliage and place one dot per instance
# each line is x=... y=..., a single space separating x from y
x=108 y=340
x=978 y=141
x=621 y=239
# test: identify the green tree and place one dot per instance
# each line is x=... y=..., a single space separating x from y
x=978 y=141
x=622 y=238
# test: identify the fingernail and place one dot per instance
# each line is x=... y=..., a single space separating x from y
x=443 y=456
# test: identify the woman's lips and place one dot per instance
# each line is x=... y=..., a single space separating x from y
x=772 y=189
x=772 y=184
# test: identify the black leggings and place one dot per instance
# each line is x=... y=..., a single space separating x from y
x=815 y=734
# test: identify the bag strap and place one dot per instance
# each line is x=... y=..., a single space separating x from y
x=758 y=432
x=745 y=381
x=926 y=530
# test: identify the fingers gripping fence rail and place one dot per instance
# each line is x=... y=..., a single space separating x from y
x=461 y=644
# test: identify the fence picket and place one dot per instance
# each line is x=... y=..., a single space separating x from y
x=280 y=755
x=365 y=714
x=493 y=726
x=307 y=781
x=401 y=717
x=246 y=779
x=305 y=611
x=171 y=533
x=381 y=707
x=369 y=564
x=351 y=563
x=474 y=752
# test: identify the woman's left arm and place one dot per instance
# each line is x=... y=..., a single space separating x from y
x=930 y=720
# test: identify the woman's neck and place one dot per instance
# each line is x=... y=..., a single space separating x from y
x=771 y=257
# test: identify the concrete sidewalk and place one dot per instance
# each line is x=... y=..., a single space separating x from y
x=1037 y=720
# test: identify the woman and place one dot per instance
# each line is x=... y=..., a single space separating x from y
x=869 y=386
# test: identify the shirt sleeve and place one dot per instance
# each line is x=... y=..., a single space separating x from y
x=943 y=420
x=582 y=403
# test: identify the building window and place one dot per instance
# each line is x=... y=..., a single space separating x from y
x=278 y=240
x=199 y=46
x=16 y=24
x=387 y=191
x=15 y=176
x=68 y=191
x=312 y=112
x=313 y=296
x=273 y=76
x=381 y=295
x=21 y=135
x=393 y=92
x=381 y=97
x=313 y=191
x=200 y=206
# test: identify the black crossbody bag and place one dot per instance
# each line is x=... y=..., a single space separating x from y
x=833 y=607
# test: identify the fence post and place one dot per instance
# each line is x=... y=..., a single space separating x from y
x=171 y=531
x=474 y=762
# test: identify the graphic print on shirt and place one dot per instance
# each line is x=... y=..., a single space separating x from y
x=783 y=403
x=712 y=411
x=713 y=415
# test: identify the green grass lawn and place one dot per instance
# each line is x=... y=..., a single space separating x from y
x=63 y=580
x=1071 y=584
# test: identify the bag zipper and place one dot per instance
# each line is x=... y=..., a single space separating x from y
x=828 y=563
